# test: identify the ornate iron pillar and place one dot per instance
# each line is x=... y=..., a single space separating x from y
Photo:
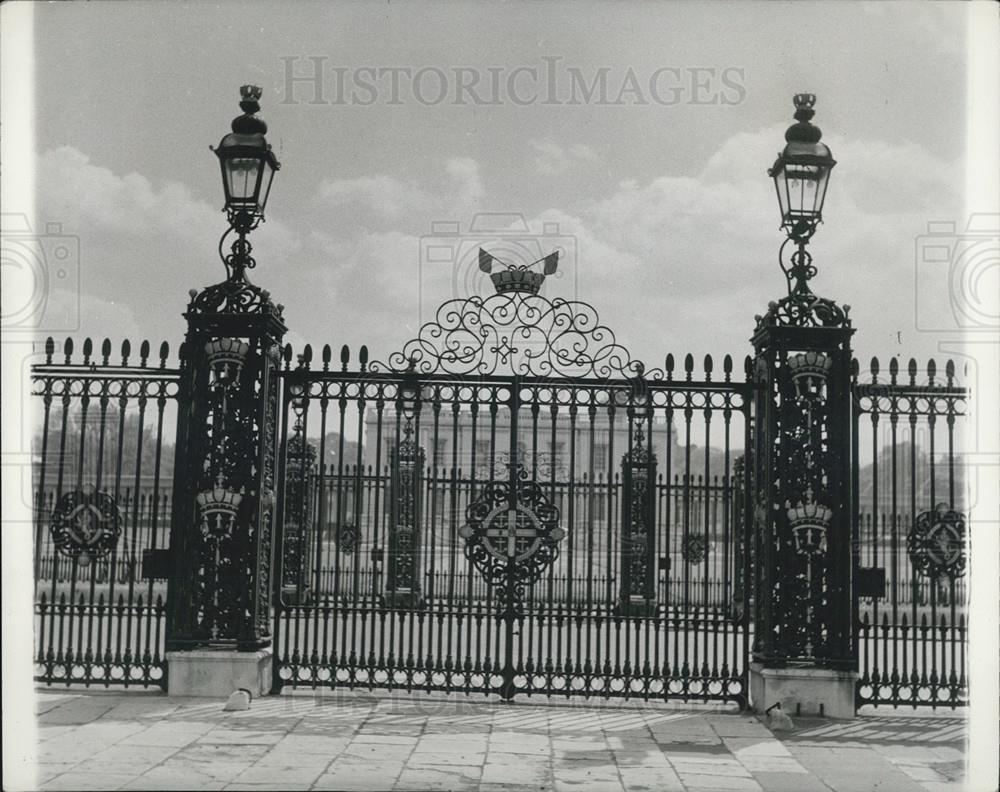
x=637 y=593
x=224 y=493
x=802 y=494
x=403 y=579
x=803 y=653
x=297 y=545
x=219 y=594
x=403 y=583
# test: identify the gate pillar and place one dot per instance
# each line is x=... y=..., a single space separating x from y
x=218 y=631
x=219 y=598
x=803 y=653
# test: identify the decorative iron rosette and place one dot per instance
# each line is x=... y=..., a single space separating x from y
x=512 y=545
x=86 y=525
x=936 y=543
x=347 y=537
x=694 y=549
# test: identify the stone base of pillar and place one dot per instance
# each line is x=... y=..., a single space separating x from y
x=808 y=691
x=218 y=672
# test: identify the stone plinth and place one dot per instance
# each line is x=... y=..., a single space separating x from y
x=806 y=691
x=218 y=672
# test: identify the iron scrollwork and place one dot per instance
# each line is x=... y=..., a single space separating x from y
x=86 y=525
x=517 y=332
x=512 y=541
x=936 y=543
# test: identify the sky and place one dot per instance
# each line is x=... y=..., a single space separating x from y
x=634 y=139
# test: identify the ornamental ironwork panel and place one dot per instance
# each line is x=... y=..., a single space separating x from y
x=638 y=542
x=86 y=526
x=347 y=537
x=936 y=543
x=694 y=549
x=300 y=479
x=517 y=333
x=403 y=583
x=512 y=535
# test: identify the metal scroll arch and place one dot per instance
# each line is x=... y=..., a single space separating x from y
x=516 y=333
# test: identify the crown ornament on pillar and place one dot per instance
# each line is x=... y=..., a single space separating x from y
x=810 y=522
x=226 y=357
x=219 y=507
x=809 y=372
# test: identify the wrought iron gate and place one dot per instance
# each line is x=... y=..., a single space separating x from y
x=101 y=477
x=512 y=504
x=509 y=505
x=910 y=596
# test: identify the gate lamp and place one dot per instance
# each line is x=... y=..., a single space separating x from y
x=802 y=171
x=248 y=167
x=801 y=174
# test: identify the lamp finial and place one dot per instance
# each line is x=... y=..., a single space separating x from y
x=248 y=123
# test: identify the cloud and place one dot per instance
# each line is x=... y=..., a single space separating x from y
x=674 y=263
x=386 y=196
x=83 y=195
x=699 y=253
x=552 y=158
x=140 y=246
x=384 y=202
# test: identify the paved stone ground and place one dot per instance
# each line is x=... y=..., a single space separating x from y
x=354 y=741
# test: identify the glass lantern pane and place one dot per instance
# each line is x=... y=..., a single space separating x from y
x=267 y=176
x=802 y=182
x=781 y=184
x=824 y=180
x=243 y=173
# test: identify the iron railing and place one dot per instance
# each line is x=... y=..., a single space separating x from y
x=101 y=485
x=911 y=552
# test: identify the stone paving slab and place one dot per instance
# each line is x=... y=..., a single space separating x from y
x=359 y=741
